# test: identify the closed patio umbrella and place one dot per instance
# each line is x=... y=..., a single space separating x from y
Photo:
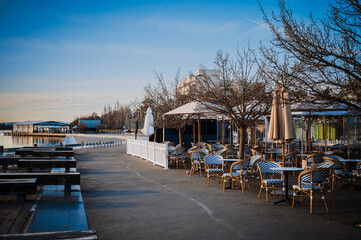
x=148 y=128
x=281 y=125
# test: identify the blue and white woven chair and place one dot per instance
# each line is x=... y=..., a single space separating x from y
x=249 y=171
x=197 y=160
x=311 y=181
x=329 y=180
x=178 y=156
x=213 y=167
x=314 y=158
x=264 y=169
x=233 y=176
x=222 y=152
x=340 y=172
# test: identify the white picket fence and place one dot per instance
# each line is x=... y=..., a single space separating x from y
x=156 y=153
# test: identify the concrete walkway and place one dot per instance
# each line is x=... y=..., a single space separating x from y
x=128 y=198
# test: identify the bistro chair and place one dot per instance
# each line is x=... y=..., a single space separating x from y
x=311 y=181
x=340 y=171
x=267 y=177
x=211 y=148
x=313 y=159
x=213 y=167
x=255 y=152
x=222 y=152
x=232 y=176
x=178 y=156
x=329 y=180
x=218 y=146
x=249 y=171
x=356 y=174
x=197 y=160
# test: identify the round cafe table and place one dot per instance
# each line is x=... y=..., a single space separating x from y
x=285 y=170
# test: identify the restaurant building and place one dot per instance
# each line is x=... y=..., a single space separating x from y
x=29 y=127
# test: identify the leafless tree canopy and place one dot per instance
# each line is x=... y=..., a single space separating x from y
x=162 y=98
x=320 y=56
x=240 y=93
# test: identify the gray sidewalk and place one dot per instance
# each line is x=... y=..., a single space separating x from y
x=128 y=198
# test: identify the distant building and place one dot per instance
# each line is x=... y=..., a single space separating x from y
x=186 y=86
x=88 y=125
x=41 y=127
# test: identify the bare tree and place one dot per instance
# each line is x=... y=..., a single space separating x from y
x=322 y=56
x=162 y=98
x=240 y=93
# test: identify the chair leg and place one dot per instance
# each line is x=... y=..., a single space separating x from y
x=311 y=198
x=224 y=184
x=324 y=200
x=260 y=191
x=293 y=199
x=266 y=194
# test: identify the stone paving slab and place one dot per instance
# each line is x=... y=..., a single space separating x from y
x=128 y=198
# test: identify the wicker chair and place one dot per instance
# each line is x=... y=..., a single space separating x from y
x=329 y=180
x=222 y=152
x=177 y=156
x=249 y=171
x=311 y=181
x=271 y=182
x=340 y=171
x=314 y=158
x=213 y=167
x=197 y=160
x=232 y=176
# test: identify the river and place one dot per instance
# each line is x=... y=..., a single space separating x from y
x=28 y=141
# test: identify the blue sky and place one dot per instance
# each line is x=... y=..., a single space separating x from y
x=62 y=59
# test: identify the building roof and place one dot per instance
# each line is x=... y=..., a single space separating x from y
x=54 y=123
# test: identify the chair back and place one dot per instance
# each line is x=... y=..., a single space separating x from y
x=213 y=159
x=313 y=176
x=170 y=149
x=218 y=146
x=205 y=151
x=192 y=148
x=222 y=152
x=253 y=160
x=178 y=152
x=314 y=159
x=291 y=155
x=338 y=165
x=264 y=167
x=196 y=155
x=255 y=152
x=326 y=165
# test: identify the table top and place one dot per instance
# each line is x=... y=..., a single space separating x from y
x=230 y=159
x=287 y=169
x=350 y=160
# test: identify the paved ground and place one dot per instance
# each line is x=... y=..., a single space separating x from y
x=128 y=198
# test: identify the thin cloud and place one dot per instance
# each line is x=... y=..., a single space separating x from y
x=187 y=26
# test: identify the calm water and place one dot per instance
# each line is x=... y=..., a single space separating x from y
x=24 y=141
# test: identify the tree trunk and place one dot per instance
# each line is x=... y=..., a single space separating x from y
x=242 y=140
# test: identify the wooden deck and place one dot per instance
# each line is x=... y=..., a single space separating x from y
x=15 y=217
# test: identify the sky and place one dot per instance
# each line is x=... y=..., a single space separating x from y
x=63 y=59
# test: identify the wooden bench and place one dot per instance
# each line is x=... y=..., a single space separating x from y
x=19 y=187
x=58 y=178
x=79 y=235
x=53 y=153
x=45 y=152
x=6 y=161
x=50 y=163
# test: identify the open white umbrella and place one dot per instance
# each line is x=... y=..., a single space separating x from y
x=281 y=125
x=192 y=108
x=148 y=128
